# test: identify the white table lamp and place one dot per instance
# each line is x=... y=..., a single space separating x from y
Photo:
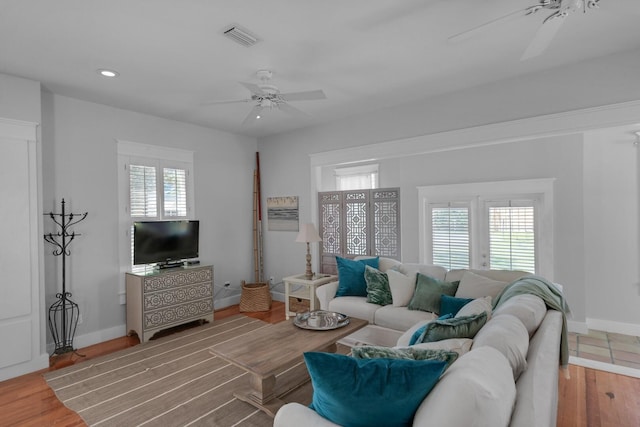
x=308 y=234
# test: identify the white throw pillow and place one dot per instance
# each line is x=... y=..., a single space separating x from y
x=402 y=287
x=507 y=334
x=475 y=286
x=459 y=345
x=530 y=309
x=477 y=390
x=476 y=306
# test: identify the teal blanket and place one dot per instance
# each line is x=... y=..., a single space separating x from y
x=550 y=294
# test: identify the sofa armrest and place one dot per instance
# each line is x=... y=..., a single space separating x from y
x=326 y=293
x=296 y=415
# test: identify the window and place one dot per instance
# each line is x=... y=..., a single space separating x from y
x=357 y=177
x=501 y=226
x=358 y=222
x=156 y=184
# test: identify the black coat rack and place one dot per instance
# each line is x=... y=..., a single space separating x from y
x=64 y=313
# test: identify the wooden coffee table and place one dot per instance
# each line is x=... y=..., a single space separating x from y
x=269 y=350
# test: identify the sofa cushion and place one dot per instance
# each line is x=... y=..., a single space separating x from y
x=451 y=305
x=530 y=309
x=475 y=286
x=428 y=291
x=508 y=335
x=411 y=269
x=477 y=390
x=351 y=276
x=364 y=392
x=378 y=291
x=408 y=353
x=477 y=306
x=457 y=327
x=402 y=287
x=354 y=307
x=399 y=318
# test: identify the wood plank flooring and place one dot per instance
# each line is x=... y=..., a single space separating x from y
x=590 y=398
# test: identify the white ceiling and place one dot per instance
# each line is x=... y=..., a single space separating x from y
x=365 y=54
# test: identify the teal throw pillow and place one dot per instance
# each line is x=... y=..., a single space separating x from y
x=378 y=291
x=452 y=305
x=351 y=276
x=456 y=327
x=418 y=333
x=428 y=291
x=409 y=353
x=364 y=392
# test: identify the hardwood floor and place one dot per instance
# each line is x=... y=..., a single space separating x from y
x=590 y=398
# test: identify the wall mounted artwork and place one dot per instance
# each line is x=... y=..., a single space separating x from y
x=282 y=213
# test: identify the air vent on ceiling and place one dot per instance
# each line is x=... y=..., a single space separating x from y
x=241 y=35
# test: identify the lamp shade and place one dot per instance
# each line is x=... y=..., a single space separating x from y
x=308 y=234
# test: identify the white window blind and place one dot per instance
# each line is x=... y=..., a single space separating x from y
x=450 y=236
x=512 y=236
x=175 y=192
x=357 y=178
x=143 y=200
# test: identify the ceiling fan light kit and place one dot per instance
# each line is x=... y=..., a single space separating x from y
x=267 y=96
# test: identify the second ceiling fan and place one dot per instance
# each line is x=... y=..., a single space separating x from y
x=560 y=9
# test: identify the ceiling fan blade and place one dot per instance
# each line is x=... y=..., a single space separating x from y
x=544 y=36
x=303 y=96
x=470 y=32
x=292 y=110
x=252 y=116
x=226 y=102
x=253 y=88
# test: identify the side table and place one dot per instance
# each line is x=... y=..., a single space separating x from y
x=303 y=299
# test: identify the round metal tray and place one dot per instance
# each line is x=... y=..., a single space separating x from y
x=321 y=320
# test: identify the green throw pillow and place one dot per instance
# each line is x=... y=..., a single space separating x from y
x=364 y=392
x=409 y=353
x=378 y=291
x=428 y=291
x=456 y=327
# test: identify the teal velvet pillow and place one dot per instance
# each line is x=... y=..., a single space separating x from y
x=428 y=291
x=365 y=392
x=456 y=327
x=378 y=291
x=351 y=276
x=376 y=352
x=452 y=305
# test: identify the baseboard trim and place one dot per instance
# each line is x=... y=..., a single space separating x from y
x=577 y=327
x=85 y=340
x=615 y=327
x=607 y=367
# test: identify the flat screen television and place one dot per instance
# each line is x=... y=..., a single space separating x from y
x=165 y=242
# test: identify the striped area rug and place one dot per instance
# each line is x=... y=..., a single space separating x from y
x=172 y=381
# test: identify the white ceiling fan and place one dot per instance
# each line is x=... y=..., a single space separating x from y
x=268 y=96
x=560 y=9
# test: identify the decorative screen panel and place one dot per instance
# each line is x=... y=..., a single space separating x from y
x=360 y=222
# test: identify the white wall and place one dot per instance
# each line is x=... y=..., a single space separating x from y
x=80 y=165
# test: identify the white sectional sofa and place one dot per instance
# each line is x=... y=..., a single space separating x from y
x=504 y=379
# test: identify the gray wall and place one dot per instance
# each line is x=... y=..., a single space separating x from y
x=80 y=165
x=286 y=160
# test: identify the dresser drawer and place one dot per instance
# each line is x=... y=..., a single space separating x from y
x=183 y=294
x=178 y=314
x=174 y=279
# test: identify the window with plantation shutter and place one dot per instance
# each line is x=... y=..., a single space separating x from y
x=450 y=235
x=506 y=225
x=155 y=184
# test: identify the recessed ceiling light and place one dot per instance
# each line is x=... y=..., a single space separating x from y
x=108 y=73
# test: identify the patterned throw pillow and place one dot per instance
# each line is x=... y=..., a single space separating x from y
x=409 y=353
x=457 y=327
x=378 y=291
